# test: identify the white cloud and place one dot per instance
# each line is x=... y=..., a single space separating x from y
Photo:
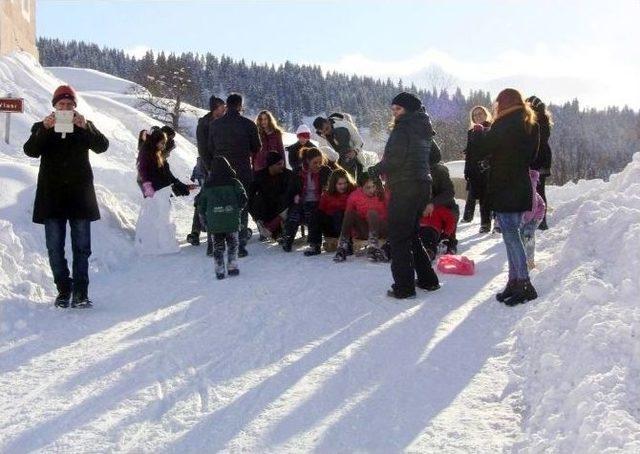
x=589 y=73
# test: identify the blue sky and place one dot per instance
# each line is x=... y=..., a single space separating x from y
x=573 y=46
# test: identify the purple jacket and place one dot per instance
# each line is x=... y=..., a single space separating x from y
x=538 y=206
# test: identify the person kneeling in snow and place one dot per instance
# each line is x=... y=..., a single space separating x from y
x=440 y=220
x=531 y=221
x=154 y=172
x=269 y=197
x=65 y=193
x=365 y=218
x=221 y=203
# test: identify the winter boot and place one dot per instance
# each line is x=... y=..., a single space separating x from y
x=314 y=249
x=507 y=292
x=220 y=271
x=242 y=251
x=80 y=298
x=341 y=255
x=287 y=243
x=485 y=228
x=543 y=225
x=523 y=291
x=232 y=268
x=194 y=238
x=394 y=292
x=64 y=295
x=427 y=287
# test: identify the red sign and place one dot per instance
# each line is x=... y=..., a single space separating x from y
x=12 y=105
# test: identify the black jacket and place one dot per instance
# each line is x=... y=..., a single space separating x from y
x=473 y=172
x=293 y=153
x=202 y=134
x=269 y=195
x=511 y=150
x=406 y=154
x=542 y=162
x=65 y=180
x=236 y=138
x=442 y=190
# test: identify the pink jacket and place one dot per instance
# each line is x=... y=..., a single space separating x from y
x=538 y=206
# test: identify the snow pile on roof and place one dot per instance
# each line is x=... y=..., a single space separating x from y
x=577 y=351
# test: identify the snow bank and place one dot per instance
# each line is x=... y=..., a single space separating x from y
x=576 y=356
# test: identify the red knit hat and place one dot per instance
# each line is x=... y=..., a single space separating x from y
x=64 y=92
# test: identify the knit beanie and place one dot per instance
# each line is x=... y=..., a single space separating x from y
x=410 y=102
x=63 y=92
x=273 y=158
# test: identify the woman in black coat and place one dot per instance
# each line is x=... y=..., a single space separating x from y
x=475 y=169
x=405 y=164
x=511 y=145
x=542 y=163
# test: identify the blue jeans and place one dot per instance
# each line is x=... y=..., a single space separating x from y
x=528 y=235
x=55 y=231
x=510 y=225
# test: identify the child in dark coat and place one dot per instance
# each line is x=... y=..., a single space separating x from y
x=221 y=202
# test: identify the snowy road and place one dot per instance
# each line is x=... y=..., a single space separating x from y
x=296 y=354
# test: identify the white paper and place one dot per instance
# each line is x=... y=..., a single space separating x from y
x=64 y=121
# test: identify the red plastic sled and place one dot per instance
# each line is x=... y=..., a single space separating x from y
x=456 y=264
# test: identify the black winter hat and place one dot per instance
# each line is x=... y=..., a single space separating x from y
x=408 y=101
x=273 y=158
x=215 y=102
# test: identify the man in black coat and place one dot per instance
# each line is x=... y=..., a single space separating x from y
x=216 y=110
x=269 y=195
x=406 y=165
x=235 y=138
x=65 y=193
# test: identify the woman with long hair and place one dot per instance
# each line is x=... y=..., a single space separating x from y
x=511 y=145
x=154 y=172
x=405 y=164
x=542 y=163
x=270 y=139
x=476 y=168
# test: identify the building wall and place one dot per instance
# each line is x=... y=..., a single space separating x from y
x=18 y=26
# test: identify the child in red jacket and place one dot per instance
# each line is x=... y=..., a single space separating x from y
x=365 y=218
x=333 y=204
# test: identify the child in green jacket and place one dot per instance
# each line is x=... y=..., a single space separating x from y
x=221 y=201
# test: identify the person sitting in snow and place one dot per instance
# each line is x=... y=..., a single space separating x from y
x=365 y=218
x=305 y=192
x=154 y=172
x=531 y=220
x=343 y=136
x=221 y=203
x=269 y=196
x=65 y=194
x=303 y=133
x=333 y=204
x=440 y=219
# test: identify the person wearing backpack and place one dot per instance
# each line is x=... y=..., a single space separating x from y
x=221 y=203
x=343 y=136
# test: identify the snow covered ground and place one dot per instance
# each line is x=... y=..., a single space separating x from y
x=300 y=354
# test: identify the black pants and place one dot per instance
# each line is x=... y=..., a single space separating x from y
x=331 y=225
x=541 y=189
x=308 y=214
x=408 y=257
x=470 y=208
x=222 y=241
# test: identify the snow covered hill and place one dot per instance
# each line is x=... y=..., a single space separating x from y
x=300 y=354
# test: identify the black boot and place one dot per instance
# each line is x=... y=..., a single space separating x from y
x=429 y=287
x=393 y=292
x=80 y=298
x=194 y=238
x=485 y=228
x=64 y=295
x=341 y=255
x=507 y=292
x=452 y=246
x=242 y=251
x=523 y=291
x=314 y=249
x=287 y=243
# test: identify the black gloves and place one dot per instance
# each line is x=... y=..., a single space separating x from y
x=180 y=189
